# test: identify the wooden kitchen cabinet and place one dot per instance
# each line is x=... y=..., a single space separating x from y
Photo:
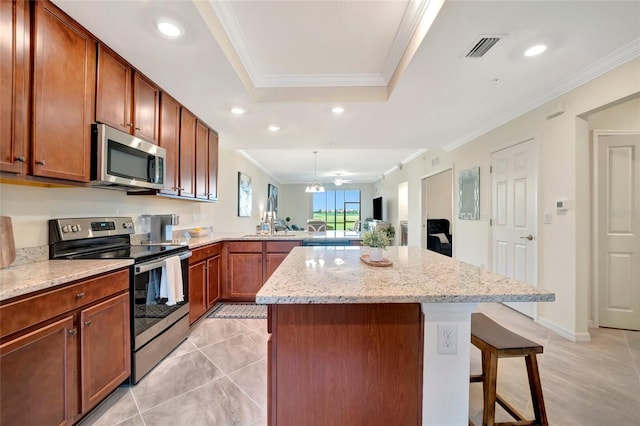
x=64 y=72
x=105 y=348
x=202 y=161
x=39 y=376
x=251 y=263
x=125 y=99
x=187 y=153
x=204 y=280
x=14 y=79
x=64 y=350
x=213 y=165
x=169 y=139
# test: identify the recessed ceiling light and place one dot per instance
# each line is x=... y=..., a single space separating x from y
x=273 y=128
x=535 y=50
x=170 y=29
x=238 y=110
x=337 y=110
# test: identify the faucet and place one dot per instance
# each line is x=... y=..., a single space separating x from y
x=271 y=223
x=270 y=216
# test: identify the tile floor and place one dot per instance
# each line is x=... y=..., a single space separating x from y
x=218 y=377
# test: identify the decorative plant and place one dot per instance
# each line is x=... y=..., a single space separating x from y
x=376 y=238
x=288 y=219
x=391 y=232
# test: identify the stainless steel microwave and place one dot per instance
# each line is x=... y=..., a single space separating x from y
x=123 y=161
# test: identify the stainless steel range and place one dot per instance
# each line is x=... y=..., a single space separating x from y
x=159 y=304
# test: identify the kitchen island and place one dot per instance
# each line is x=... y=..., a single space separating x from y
x=354 y=344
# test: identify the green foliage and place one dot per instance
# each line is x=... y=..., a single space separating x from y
x=376 y=238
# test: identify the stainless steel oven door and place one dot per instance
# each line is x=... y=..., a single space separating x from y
x=151 y=314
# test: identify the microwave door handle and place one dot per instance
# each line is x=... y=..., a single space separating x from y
x=150 y=165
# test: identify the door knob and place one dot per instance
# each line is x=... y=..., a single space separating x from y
x=528 y=237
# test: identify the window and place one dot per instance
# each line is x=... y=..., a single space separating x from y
x=340 y=209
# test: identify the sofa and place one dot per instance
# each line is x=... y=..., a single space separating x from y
x=439 y=238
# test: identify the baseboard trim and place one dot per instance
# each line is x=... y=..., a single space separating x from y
x=574 y=337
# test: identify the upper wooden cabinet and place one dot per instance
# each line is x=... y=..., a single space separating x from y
x=202 y=161
x=125 y=99
x=187 y=153
x=170 y=140
x=64 y=72
x=14 y=80
x=213 y=165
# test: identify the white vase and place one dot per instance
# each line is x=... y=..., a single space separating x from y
x=375 y=254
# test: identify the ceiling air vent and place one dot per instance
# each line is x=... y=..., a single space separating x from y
x=482 y=46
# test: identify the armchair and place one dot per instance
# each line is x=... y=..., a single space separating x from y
x=438 y=237
x=314 y=225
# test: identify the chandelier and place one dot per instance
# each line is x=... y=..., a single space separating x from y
x=315 y=186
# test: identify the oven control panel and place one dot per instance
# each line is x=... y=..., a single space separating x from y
x=89 y=227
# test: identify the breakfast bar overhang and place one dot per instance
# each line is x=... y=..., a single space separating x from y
x=357 y=344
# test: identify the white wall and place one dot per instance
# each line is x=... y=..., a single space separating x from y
x=30 y=207
x=439 y=196
x=564 y=168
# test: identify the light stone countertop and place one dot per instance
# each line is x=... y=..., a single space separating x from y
x=24 y=279
x=216 y=237
x=337 y=275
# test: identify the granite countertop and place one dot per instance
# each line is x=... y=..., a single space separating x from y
x=24 y=279
x=337 y=275
x=216 y=237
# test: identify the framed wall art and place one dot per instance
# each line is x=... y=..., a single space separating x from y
x=244 y=194
x=272 y=202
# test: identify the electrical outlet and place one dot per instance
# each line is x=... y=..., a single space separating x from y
x=447 y=339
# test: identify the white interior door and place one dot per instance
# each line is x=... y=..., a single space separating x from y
x=618 y=219
x=514 y=216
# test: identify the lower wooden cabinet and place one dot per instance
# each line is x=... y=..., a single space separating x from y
x=39 y=376
x=63 y=351
x=105 y=348
x=251 y=263
x=204 y=280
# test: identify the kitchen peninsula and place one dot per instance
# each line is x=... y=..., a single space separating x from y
x=355 y=344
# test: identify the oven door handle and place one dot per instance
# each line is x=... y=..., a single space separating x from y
x=146 y=267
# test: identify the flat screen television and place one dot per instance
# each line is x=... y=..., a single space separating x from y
x=377 y=208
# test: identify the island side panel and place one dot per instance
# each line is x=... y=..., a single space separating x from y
x=349 y=364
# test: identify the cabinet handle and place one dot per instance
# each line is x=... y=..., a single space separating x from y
x=88 y=323
x=181 y=188
x=72 y=332
x=138 y=128
x=79 y=295
x=41 y=162
x=128 y=124
x=20 y=159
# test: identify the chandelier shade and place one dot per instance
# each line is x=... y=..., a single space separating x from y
x=315 y=186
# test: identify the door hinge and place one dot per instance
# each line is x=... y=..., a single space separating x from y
x=490 y=222
x=490 y=169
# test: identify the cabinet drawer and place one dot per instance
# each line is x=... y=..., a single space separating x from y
x=245 y=247
x=282 y=246
x=24 y=313
x=206 y=252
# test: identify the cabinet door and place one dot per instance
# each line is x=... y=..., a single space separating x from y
x=187 y=153
x=197 y=291
x=146 y=104
x=39 y=376
x=213 y=281
x=14 y=78
x=113 y=94
x=273 y=261
x=202 y=161
x=170 y=140
x=245 y=275
x=63 y=95
x=105 y=349
x=213 y=165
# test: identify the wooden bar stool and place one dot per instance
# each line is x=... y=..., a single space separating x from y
x=497 y=342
